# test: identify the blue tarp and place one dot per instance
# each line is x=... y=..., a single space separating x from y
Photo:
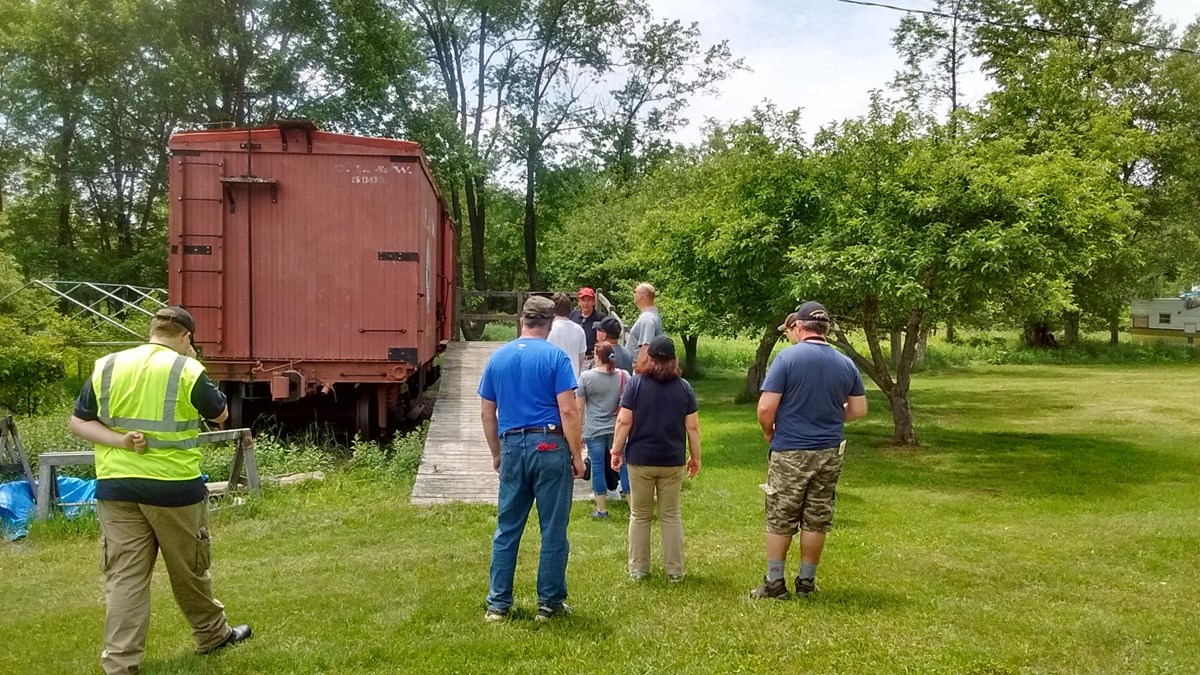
x=17 y=508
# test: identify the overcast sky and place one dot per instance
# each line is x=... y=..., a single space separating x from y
x=820 y=55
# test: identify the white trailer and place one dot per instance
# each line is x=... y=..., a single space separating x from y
x=1170 y=320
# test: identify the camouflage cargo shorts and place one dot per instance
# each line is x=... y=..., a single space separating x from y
x=801 y=487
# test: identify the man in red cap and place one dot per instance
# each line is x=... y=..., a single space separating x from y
x=587 y=316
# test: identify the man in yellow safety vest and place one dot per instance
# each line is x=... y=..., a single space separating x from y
x=142 y=409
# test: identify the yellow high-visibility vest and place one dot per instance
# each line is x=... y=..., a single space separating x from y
x=149 y=389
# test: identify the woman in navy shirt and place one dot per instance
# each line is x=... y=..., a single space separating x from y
x=658 y=434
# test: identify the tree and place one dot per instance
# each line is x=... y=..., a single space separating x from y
x=719 y=231
x=1097 y=98
x=915 y=227
x=473 y=46
x=663 y=65
x=568 y=46
x=934 y=49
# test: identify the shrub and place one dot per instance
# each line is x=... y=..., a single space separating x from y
x=32 y=368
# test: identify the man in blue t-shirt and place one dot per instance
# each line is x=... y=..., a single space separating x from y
x=810 y=391
x=534 y=431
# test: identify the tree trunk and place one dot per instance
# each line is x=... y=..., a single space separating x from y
x=950 y=337
x=535 y=281
x=1038 y=335
x=1071 y=328
x=902 y=421
x=922 y=347
x=1114 y=332
x=689 y=354
x=758 y=370
x=62 y=186
x=895 y=348
x=473 y=189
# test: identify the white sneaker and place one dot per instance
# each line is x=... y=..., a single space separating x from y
x=615 y=496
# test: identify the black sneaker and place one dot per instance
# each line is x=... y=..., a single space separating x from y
x=805 y=587
x=547 y=612
x=492 y=615
x=771 y=589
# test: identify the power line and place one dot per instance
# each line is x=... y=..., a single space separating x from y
x=1025 y=27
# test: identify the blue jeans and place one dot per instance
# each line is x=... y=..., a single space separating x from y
x=596 y=447
x=528 y=475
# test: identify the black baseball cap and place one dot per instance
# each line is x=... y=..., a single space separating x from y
x=610 y=326
x=661 y=347
x=179 y=316
x=812 y=311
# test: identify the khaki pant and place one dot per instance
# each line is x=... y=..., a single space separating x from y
x=645 y=483
x=131 y=535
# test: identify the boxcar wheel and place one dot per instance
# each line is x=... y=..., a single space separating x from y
x=235 y=402
x=363 y=411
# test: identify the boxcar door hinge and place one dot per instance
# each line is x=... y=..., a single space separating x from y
x=399 y=256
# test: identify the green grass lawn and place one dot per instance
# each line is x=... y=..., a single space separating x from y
x=1048 y=523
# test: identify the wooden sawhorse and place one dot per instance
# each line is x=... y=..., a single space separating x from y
x=243 y=472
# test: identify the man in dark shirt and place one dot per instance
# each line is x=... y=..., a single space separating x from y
x=587 y=316
x=609 y=330
x=810 y=391
x=142 y=409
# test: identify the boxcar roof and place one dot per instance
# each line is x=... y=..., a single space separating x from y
x=323 y=142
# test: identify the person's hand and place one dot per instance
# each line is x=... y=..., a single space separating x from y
x=618 y=458
x=191 y=351
x=135 y=441
x=577 y=467
x=496 y=463
x=693 y=466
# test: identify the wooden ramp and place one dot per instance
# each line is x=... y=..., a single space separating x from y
x=457 y=465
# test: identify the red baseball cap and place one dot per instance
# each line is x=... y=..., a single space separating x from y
x=586 y=292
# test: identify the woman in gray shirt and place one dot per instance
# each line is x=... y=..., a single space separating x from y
x=598 y=397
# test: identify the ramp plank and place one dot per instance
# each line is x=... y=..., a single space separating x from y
x=456 y=464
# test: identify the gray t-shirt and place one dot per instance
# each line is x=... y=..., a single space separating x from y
x=647 y=327
x=623 y=358
x=603 y=393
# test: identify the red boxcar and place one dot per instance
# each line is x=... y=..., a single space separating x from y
x=319 y=267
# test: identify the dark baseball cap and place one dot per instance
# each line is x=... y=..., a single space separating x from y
x=812 y=311
x=661 y=347
x=177 y=315
x=538 y=307
x=610 y=326
x=180 y=316
x=788 y=321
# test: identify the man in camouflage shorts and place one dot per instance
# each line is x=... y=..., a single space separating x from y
x=810 y=391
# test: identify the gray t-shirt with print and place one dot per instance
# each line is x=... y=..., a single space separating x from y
x=647 y=327
x=603 y=393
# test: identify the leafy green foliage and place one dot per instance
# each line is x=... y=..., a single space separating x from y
x=32 y=367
